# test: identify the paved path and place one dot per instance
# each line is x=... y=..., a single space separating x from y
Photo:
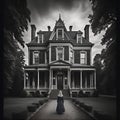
x=48 y=112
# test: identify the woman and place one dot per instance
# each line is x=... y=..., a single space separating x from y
x=60 y=103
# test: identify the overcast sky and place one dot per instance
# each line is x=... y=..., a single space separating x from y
x=73 y=12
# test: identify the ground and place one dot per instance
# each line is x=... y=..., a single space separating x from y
x=106 y=105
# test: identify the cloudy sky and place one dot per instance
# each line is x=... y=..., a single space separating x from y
x=73 y=12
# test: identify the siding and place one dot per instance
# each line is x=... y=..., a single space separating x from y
x=77 y=56
x=31 y=57
x=41 y=56
x=53 y=53
x=88 y=57
x=66 y=53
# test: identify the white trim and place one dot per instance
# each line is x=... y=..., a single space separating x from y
x=81 y=48
x=85 y=57
x=60 y=44
x=37 y=48
x=49 y=54
x=58 y=67
x=82 y=69
x=31 y=69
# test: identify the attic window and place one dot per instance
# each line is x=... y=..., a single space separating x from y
x=40 y=38
x=60 y=34
x=79 y=38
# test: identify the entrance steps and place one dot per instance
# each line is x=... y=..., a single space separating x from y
x=54 y=94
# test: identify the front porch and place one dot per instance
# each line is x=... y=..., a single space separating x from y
x=60 y=78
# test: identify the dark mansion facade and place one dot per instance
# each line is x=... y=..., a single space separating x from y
x=59 y=59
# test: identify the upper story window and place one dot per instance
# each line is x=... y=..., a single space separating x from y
x=83 y=57
x=71 y=56
x=79 y=38
x=35 y=57
x=40 y=38
x=60 y=53
x=60 y=34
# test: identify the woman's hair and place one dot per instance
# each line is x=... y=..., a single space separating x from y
x=60 y=94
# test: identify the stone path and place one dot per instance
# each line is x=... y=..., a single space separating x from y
x=48 y=112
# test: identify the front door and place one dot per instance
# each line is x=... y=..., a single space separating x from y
x=60 y=82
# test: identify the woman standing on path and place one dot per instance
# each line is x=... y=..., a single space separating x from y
x=60 y=103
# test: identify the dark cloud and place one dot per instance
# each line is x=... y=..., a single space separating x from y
x=43 y=7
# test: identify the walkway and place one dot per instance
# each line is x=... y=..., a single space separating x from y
x=48 y=112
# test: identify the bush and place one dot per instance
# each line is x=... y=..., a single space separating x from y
x=81 y=94
x=95 y=93
x=81 y=104
x=36 y=104
x=100 y=116
x=87 y=94
x=74 y=94
x=44 y=94
x=23 y=93
x=88 y=108
x=20 y=116
x=41 y=102
x=32 y=108
x=77 y=102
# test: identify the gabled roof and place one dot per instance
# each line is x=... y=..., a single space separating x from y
x=60 y=62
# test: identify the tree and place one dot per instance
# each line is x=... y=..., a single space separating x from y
x=104 y=17
x=16 y=18
x=18 y=78
x=98 y=65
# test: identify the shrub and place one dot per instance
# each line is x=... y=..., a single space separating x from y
x=95 y=93
x=44 y=94
x=81 y=94
x=73 y=100
x=20 y=116
x=81 y=104
x=88 y=108
x=41 y=102
x=23 y=93
x=32 y=108
x=77 y=102
x=74 y=94
x=87 y=94
x=36 y=104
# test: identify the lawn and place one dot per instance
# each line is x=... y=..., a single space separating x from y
x=106 y=105
x=14 y=105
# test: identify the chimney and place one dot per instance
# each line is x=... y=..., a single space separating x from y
x=70 y=28
x=86 y=32
x=33 y=31
x=48 y=28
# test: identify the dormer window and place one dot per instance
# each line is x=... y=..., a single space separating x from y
x=40 y=38
x=60 y=34
x=79 y=38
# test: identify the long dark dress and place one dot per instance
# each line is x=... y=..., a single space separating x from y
x=60 y=105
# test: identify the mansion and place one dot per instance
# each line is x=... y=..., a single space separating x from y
x=59 y=59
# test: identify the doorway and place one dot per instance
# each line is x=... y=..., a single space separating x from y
x=60 y=82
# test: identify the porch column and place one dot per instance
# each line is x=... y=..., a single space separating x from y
x=33 y=83
x=73 y=82
x=28 y=83
x=95 y=79
x=69 y=78
x=24 y=80
x=81 y=79
x=85 y=81
x=38 y=79
x=91 y=80
x=50 y=79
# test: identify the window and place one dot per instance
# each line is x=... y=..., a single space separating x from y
x=71 y=56
x=36 y=57
x=60 y=53
x=60 y=34
x=40 y=38
x=82 y=57
x=79 y=38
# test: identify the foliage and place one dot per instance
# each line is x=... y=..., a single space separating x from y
x=104 y=17
x=16 y=18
